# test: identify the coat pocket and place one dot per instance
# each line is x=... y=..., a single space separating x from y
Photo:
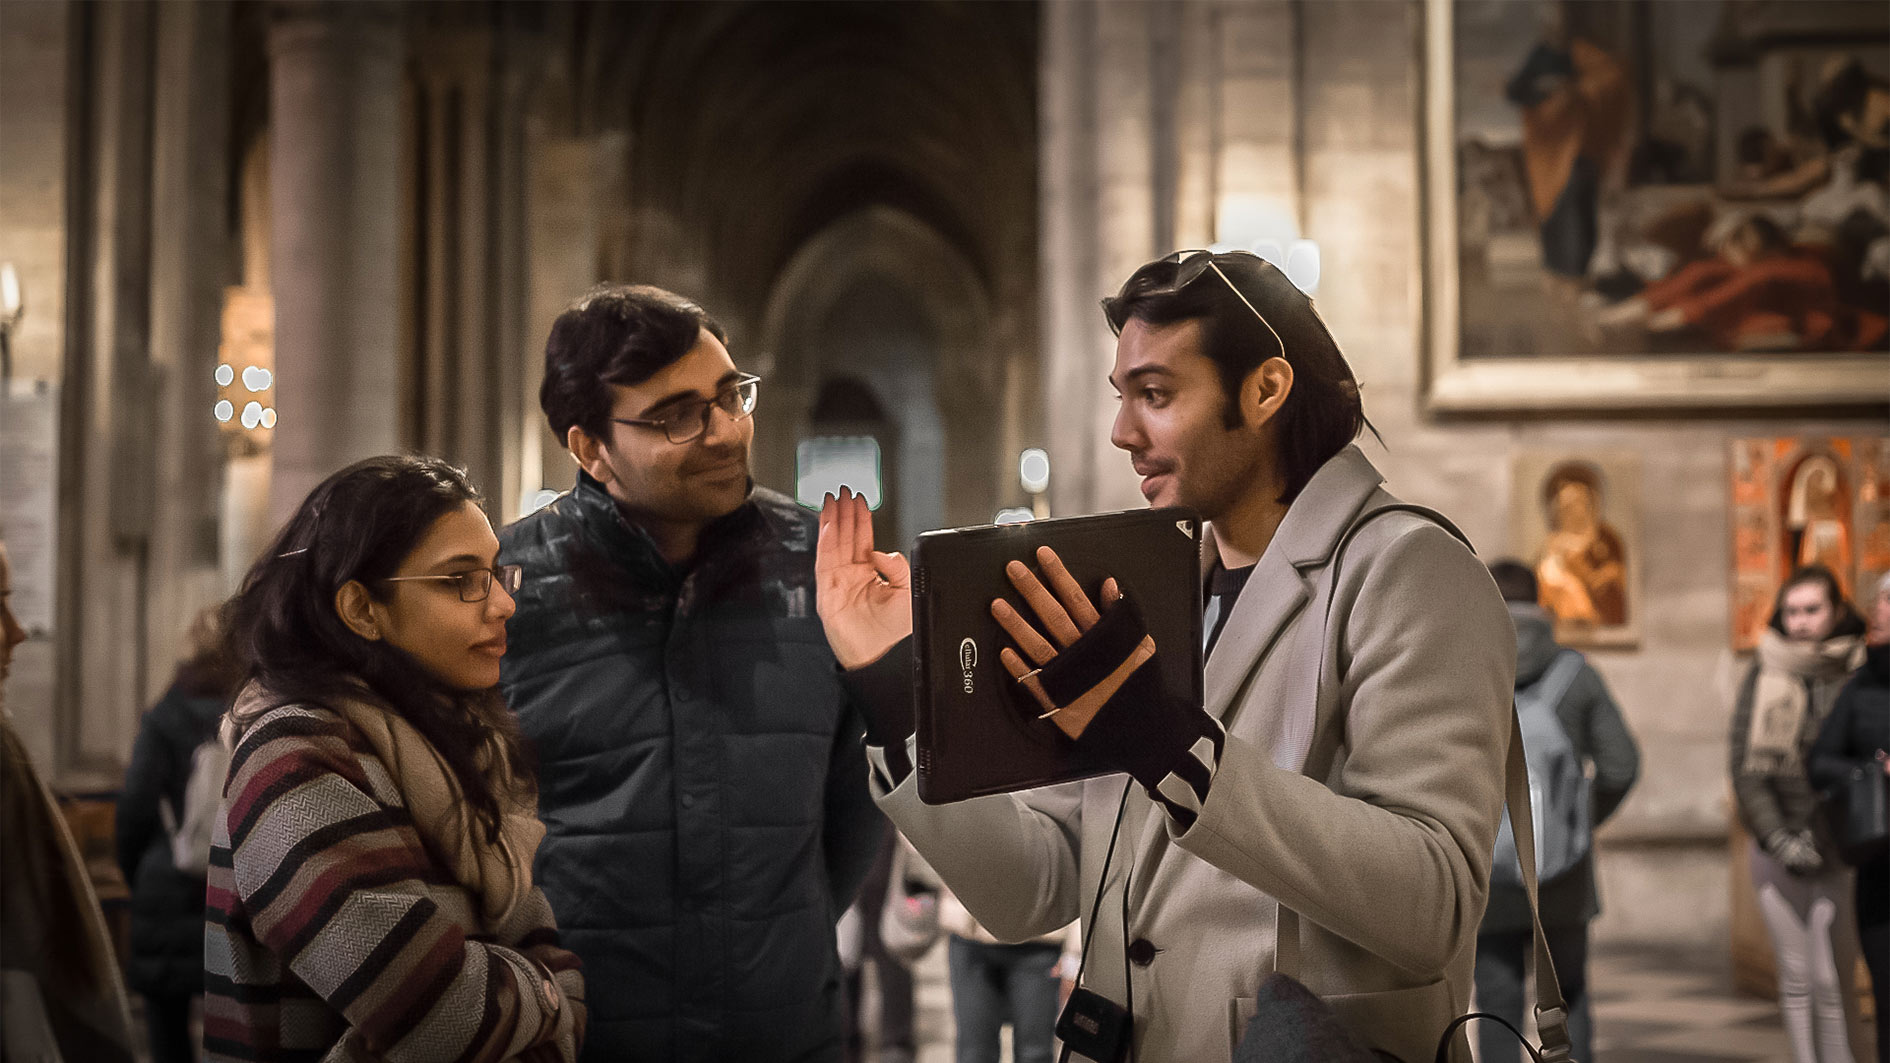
x=1403 y=1022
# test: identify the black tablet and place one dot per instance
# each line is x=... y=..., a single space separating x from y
x=977 y=728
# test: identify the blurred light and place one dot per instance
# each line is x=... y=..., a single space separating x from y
x=825 y=464
x=269 y=417
x=1302 y=266
x=1252 y=222
x=256 y=378
x=1013 y=515
x=225 y=411
x=9 y=290
x=537 y=502
x=252 y=415
x=224 y=375
x=1033 y=469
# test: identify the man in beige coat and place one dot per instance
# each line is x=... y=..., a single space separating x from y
x=1348 y=763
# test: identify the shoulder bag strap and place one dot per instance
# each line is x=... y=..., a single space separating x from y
x=1551 y=1011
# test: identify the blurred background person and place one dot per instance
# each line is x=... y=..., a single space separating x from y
x=161 y=849
x=1855 y=738
x=1812 y=643
x=1569 y=902
x=64 y=998
x=995 y=984
x=891 y=1036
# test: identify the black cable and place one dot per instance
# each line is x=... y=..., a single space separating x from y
x=1095 y=909
x=1102 y=885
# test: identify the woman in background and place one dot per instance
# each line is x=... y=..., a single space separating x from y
x=1812 y=643
x=370 y=883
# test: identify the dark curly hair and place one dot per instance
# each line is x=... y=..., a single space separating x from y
x=617 y=334
x=285 y=634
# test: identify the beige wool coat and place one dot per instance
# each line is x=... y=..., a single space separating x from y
x=1400 y=703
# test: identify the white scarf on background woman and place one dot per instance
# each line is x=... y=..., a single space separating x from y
x=1781 y=698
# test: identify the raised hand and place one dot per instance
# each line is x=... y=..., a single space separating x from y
x=863 y=596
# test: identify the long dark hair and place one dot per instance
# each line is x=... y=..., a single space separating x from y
x=284 y=632
x=1847 y=621
x=1323 y=412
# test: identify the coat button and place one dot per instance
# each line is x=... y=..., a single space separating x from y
x=1142 y=952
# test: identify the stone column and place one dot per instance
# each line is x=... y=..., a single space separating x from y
x=190 y=242
x=1100 y=219
x=37 y=49
x=469 y=208
x=335 y=93
x=106 y=430
x=1163 y=125
x=565 y=177
x=515 y=369
x=1256 y=120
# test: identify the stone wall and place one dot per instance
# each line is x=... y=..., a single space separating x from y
x=33 y=50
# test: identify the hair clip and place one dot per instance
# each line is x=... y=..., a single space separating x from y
x=292 y=553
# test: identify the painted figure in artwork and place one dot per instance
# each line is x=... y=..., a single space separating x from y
x=1815 y=519
x=1760 y=292
x=1576 y=108
x=1583 y=570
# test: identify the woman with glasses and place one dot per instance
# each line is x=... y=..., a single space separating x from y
x=370 y=891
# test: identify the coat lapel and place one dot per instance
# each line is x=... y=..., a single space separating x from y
x=1273 y=595
x=1278 y=590
x=1280 y=584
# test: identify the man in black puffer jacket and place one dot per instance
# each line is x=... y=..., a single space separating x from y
x=702 y=777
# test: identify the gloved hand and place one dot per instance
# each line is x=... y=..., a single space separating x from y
x=1794 y=849
x=1096 y=677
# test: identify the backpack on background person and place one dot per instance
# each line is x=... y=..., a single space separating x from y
x=1558 y=781
x=190 y=827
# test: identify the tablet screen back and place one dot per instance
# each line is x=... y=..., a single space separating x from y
x=978 y=731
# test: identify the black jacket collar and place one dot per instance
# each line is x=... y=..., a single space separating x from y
x=728 y=534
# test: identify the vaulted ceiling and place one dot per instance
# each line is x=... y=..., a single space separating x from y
x=756 y=124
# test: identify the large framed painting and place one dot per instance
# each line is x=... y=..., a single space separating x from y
x=1575 y=519
x=1801 y=501
x=1656 y=204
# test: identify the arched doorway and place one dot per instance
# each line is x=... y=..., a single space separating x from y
x=882 y=298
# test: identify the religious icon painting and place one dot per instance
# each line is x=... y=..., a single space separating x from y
x=1575 y=519
x=1805 y=501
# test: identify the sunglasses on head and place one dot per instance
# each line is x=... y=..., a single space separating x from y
x=1190 y=267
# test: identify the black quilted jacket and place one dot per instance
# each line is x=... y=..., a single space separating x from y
x=703 y=783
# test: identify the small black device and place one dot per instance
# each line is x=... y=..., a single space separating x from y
x=978 y=729
x=1094 y=1027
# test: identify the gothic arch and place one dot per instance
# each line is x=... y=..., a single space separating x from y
x=939 y=372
